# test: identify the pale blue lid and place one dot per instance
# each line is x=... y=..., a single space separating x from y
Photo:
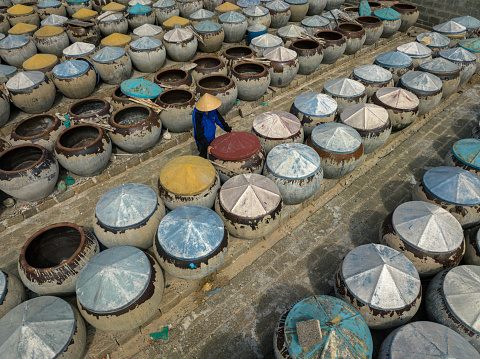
x=49 y=4
x=70 y=69
x=3 y=286
x=467 y=151
x=232 y=17
x=315 y=104
x=127 y=205
x=438 y=40
x=202 y=14
x=469 y=22
x=141 y=88
x=336 y=138
x=256 y=11
x=439 y=65
x=108 y=54
x=387 y=14
x=296 y=2
x=452 y=185
x=456 y=54
x=190 y=232
x=344 y=87
x=54 y=20
x=146 y=43
x=472 y=45
x=14 y=42
x=256 y=28
x=207 y=26
x=164 y=4
x=421 y=81
x=293 y=161
x=247 y=3
x=277 y=5
x=139 y=9
x=78 y=49
x=415 y=50
x=315 y=21
x=8 y=70
x=372 y=73
x=394 y=59
x=450 y=28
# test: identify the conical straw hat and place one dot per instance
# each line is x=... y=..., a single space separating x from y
x=208 y=103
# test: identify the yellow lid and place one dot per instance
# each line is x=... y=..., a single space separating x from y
x=113 y=6
x=187 y=175
x=226 y=7
x=48 y=31
x=39 y=62
x=22 y=28
x=176 y=20
x=84 y=14
x=19 y=10
x=116 y=39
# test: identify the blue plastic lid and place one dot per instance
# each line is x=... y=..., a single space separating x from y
x=70 y=69
x=472 y=45
x=139 y=9
x=372 y=73
x=202 y=14
x=469 y=22
x=207 y=26
x=108 y=54
x=190 y=232
x=49 y=4
x=256 y=11
x=468 y=151
x=387 y=14
x=394 y=59
x=438 y=40
x=450 y=28
x=257 y=28
x=14 y=42
x=140 y=88
x=232 y=17
x=146 y=43
x=421 y=81
x=3 y=286
x=164 y=4
x=456 y=54
x=247 y=3
x=344 y=87
x=277 y=5
x=296 y=2
x=439 y=65
x=315 y=21
x=336 y=138
x=8 y=70
x=452 y=185
x=293 y=161
x=315 y=104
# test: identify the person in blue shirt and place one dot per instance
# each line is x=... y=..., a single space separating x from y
x=205 y=118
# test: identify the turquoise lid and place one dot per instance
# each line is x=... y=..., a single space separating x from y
x=469 y=22
x=139 y=9
x=394 y=59
x=108 y=54
x=387 y=14
x=232 y=17
x=140 y=88
x=467 y=151
x=472 y=45
x=146 y=43
x=70 y=69
x=76 y=1
x=207 y=26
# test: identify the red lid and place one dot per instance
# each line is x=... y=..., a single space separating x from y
x=235 y=146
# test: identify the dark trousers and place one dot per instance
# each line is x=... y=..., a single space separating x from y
x=202 y=150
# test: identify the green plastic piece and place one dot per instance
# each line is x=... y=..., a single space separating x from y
x=163 y=334
x=69 y=181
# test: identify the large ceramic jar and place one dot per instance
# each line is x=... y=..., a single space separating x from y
x=373 y=27
x=473 y=46
x=427 y=87
x=88 y=32
x=23 y=14
x=265 y=42
x=15 y=49
x=314 y=24
x=298 y=8
x=51 y=40
x=334 y=45
x=252 y=80
x=173 y=77
x=79 y=49
x=418 y=52
x=280 y=13
x=283 y=66
x=346 y=92
x=211 y=5
x=234 y=25
x=396 y=62
x=435 y=42
x=41 y=62
x=178 y=104
x=235 y=54
x=392 y=20
x=119 y=99
x=208 y=65
x=401 y=105
x=188 y=7
x=139 y=15
x=12 y=292
x=446 y=71
x=310 y=55
x=89 y=109
x=333 y=4
x=220 y=86
x=111 y=22
x=409 y=14
x=463 y=58
x=40 y=129
x=453 y=30
x=76 y=5
x=313 y=109
x=315 y=7
x=373 y=77
x=463 y=155
x=51 y=7
x=181 y=44
x=148 y=30
x=113 y=64
x=164 y=10
x=84 y=149
x=354 y=35
x=201 y=15
x=212 y=35
x=75 y=78
x=290 y=33
x=52 y=258
x=4 y=108
x=257 y=15
x=147 y=54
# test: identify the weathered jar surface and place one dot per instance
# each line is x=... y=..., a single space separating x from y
x=179 y=105
x=40 y=129
x=252 y=80
x=220 y=86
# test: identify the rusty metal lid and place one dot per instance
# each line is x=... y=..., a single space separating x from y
x=470 y=22
x=450 y=28
x=244 y=4
x=40 y=328
x=207 y=26
x=336 y=138
x=113 y=279
x=456 y=54
x=108 y=54
x=315 y=104
x=387 y=14
x=266 y=41
x=255 y=11
x=415 y=50
x=452 y=185
x=45 y=4
x=71 y=68
x=235 y=146
x=344 y=87
x=372 y=73
x=190 y=232
x=315 y=21
x=364 y=116
x=427 y=227
x=164 y=4
x=146 y=43
x=421 y=82
x=54 y=20
x=472 y=45
x=429 y=340
x=277 y=125
x=380 y=277
x=78 y=49
x=397 y=98
x=139 y=9
x=7 y=70
x=126 y=206
x=3 y=286
x=290 y=31
x=14 y=42
x=280 y=54
x=202 y=14
x=25 y=80
x=293 y=161
x=461 y=289
x=344 y=331
x=277 y=5
x=331 y=15
x=232 y=17
x=178 y=35
x=467 y=151
x=439 y=65
x=148 y=30
x=109 y=16
x=250 y=196
x=438 y=40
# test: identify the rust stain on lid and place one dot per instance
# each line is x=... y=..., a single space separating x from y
x=235 y=146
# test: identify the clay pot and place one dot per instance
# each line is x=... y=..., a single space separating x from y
x=143 y=17
x=51 y=44
x=220 y=86
x=89 y=109
x=86 y=33
x=352 y=11
x=310 y=55
x=284 y=66
x=45 y=12
x=409 y=14
x=181 y=44
x=315 y=7
x=208 y=65
x=115 y=23
x=235 y=54
x=14 y=293
x=119 y=99
x=162 y=14
x=40 y=129
x=114 y=71
x=235 y=29
x=4 y=109
x=188 y=7
x=147 y=58
x=179 y=104
x=210 y=5
x=78 y=84
x=17 y=53
x=299 y=9
x=355 y=36
x=212 y=41
x=30 y=18
x=74 y=6
x=4 y=24
x=28 y=172
x=373 y=27
x=173 y=77
x=334 y=47
x=37 y=98
x=280 y=14
x=252 y=80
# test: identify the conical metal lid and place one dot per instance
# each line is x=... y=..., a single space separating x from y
x=190 y=232
x=450 y=28
x=109 y=16
x=113 y=279
x=54 y=20
x=256 y=28
x=472 y=45
x=277 y=5
x=256 y=11
x=202 y=14
x=141 y=2
x=232 y=17
x=245 y=4
x=249 y=196
x=336 y=138
x=45 y=4
x=277 y=125
x=429 y=340
x=340 y=324
x=7 y=70
x=139 y=9
x=235 y=146
x=415 y=50
x=126 y=206
x=70 y=69
x=397 y=98
x=461 y=289
x=372 y=73
x=438 y=40
x=387 y=14
x=452 y=185
x=40 y=328
x=439 y=65
x=207 y=26
x=365 y=116
x=380 y=277
x=315 y=21
x=164 y=4
x=79 y=49
x=267 y=40
x=178 y=35
x=280 y=54
x=469 y=22
x=290 y=31
x=344 y=87
x=456 y=54
x=427 y=227
x=296 y=2
x=108 y=54
x=333 y=14
x=146 y=43
x=148 y=30
x=14 y=42
x=315 y=104
x=3 y=286
x=25 y=80
x=421 y=81
x=293 y=161
x=467 y=151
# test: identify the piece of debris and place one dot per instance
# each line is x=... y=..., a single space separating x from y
x=163 y=334
x=218 y=290
x=9 y=202
x=206 y=287
x=62 y=186
x=69 y=181
x=309 y=333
